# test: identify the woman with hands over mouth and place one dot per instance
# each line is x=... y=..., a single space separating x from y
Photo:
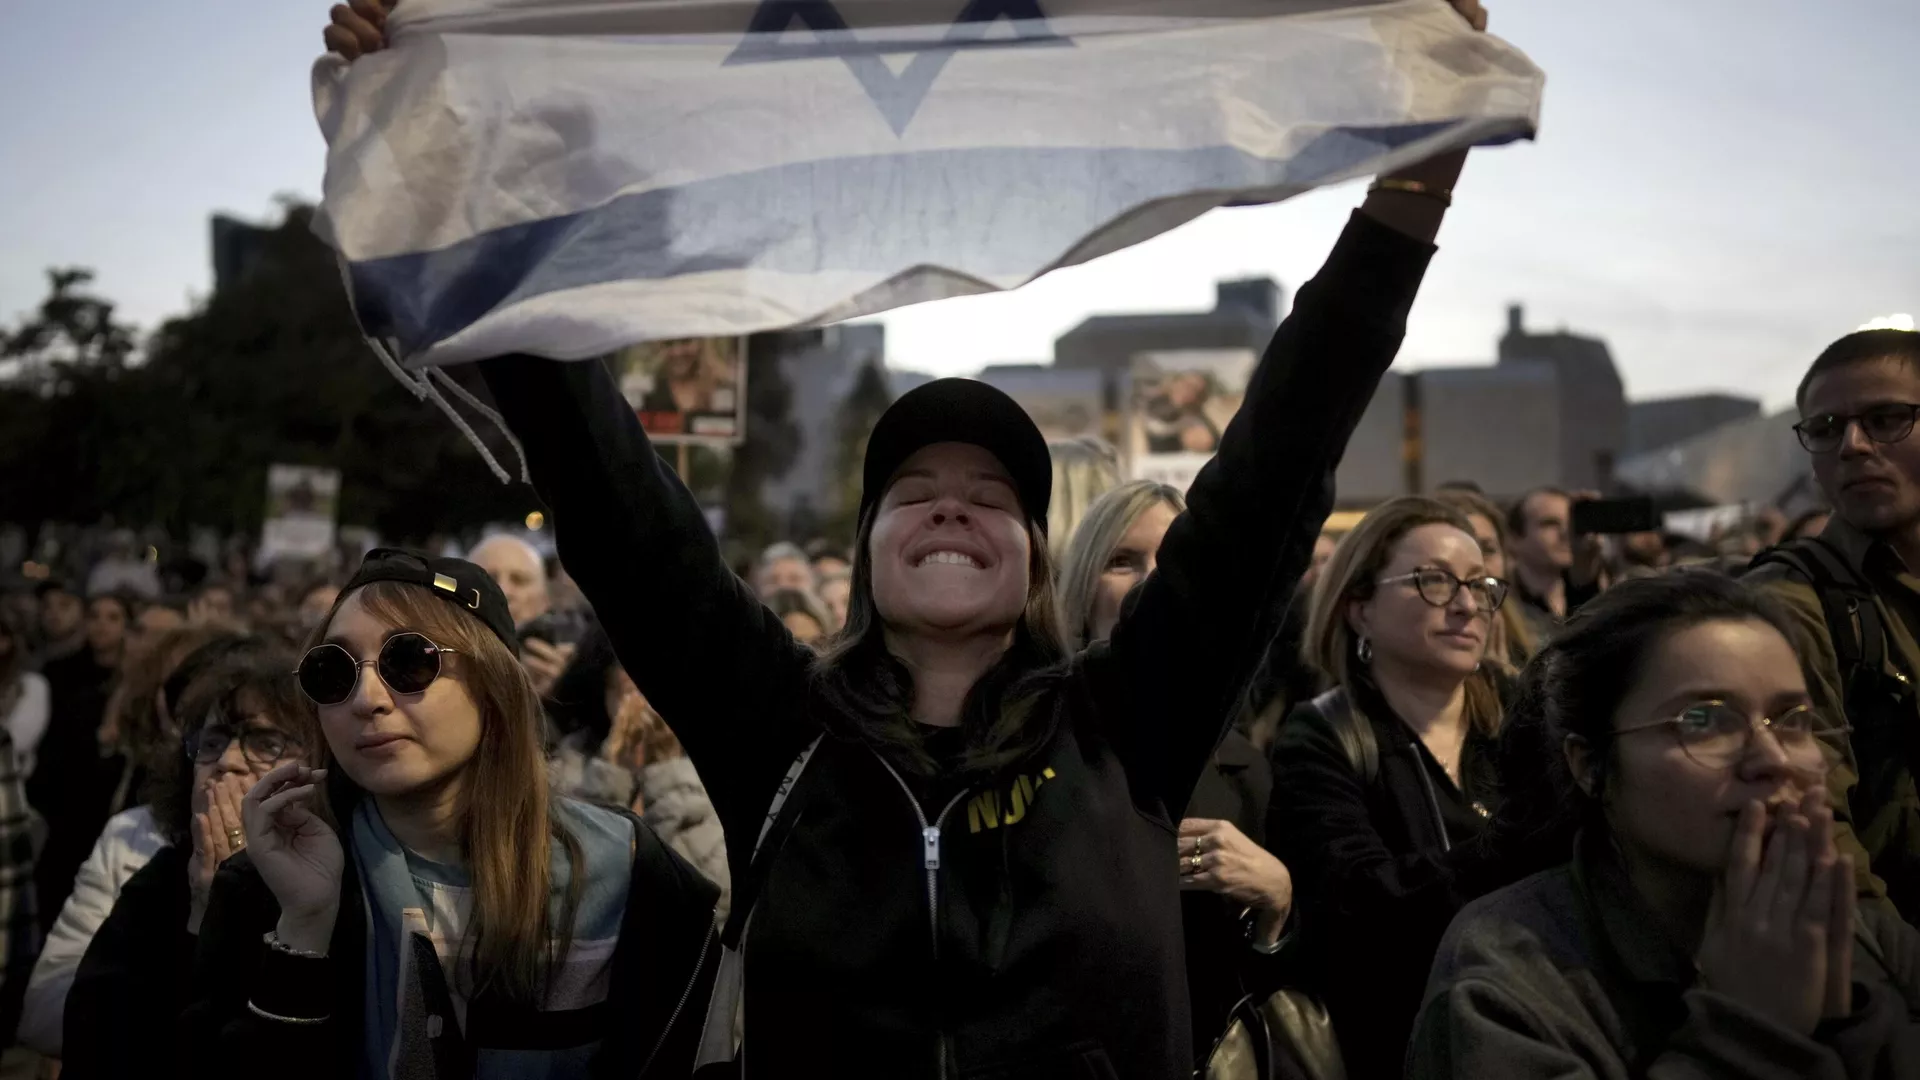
x=1698 y=920
x=412 y=901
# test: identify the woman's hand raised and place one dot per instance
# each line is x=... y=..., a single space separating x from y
x=358 y=28
x=297 y=854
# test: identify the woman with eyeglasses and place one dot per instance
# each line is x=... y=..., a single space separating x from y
x=1382 y=784
x=176 y=664
x=1696 y=920
x=133 y=977
x=412 y=901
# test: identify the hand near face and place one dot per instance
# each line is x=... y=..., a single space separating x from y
x=544 y=662
x=297 y=854
x=1780 y=933
x=219 y=832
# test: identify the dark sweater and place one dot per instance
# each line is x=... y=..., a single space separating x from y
x=1379 y=869
x=647 y=1027
x=1567 y=974
x=1037 y=932
x=122 y=1015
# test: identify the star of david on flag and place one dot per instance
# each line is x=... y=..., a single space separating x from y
x=897 y=97
x=568 y=177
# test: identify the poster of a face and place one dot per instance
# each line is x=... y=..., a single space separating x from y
x=1182 y=401
x=301 y=508
x=688 y=390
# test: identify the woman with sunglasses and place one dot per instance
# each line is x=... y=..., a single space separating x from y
x=437 y=912
x=1696 y=920
x=133 y=976
x=1382 y=784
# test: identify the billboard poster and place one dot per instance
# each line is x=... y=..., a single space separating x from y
x=1063 y=403
x=1181 y=402
x=302 y=503
x=688 y=390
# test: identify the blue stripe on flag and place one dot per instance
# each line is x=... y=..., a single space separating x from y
x=806 y=217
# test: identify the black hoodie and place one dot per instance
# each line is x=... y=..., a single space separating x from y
x=1031 y=927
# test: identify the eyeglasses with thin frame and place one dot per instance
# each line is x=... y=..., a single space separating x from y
x=1438 y=587
x=262 y=746
x=408 y=663
x=1889 y=423
x=1716 y=735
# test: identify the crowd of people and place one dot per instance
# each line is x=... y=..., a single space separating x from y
x=1041 y=773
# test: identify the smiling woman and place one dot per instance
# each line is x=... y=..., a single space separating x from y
x=953 y=836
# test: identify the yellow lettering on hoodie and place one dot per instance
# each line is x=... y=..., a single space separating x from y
x=984 y=809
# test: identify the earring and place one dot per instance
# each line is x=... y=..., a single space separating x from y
x=1365 y=649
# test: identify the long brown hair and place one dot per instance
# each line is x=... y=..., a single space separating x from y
x=1330 y=643
x=506 y=819
x=856 y=677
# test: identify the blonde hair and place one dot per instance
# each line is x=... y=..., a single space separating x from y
x=1084 y=468
x=1520 y=641
x=1330 y=643
x=507 y=827
x=1094 y=542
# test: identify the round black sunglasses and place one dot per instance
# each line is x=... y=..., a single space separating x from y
x=408 y=663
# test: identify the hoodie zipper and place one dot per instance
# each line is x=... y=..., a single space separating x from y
x=705 y=947
x=930 y=862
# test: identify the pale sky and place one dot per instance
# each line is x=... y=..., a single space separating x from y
x=1719 y=189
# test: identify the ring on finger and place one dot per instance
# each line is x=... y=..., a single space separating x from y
x=237 y=838
x=1194 y=864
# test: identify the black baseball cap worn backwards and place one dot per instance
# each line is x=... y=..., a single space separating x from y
x=456 y=581
x=962 y=411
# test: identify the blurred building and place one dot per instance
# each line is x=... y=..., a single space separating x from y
x=1244 y=315
x=1592 y=401
x=1652 y=425
x=1751 y=460
x=822 y=372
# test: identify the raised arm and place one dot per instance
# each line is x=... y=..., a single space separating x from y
x=715 y=663
x=1178 y=663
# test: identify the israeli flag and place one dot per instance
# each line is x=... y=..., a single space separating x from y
x=566 y=177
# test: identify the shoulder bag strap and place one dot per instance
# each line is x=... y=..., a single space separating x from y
x=716 y=1036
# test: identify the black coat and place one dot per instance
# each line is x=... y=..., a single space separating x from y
x=1379 y=868
x=122 y=1013
x=1221 y=966
x=1032 y=926
x=649 y=1024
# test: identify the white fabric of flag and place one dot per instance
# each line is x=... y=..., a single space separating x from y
x=566 y=177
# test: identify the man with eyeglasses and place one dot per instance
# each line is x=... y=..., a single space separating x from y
x=1855 y=589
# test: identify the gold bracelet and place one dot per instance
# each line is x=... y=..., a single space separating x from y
x=1412 y=187
x=278 y=1019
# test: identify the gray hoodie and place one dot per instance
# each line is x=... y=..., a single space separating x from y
x=1566 y=975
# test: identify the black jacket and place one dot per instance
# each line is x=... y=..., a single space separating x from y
x=649 y=1024
x=123 y=1008
x=1221 y=966
x=1379 y=869
x=1037 y=931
